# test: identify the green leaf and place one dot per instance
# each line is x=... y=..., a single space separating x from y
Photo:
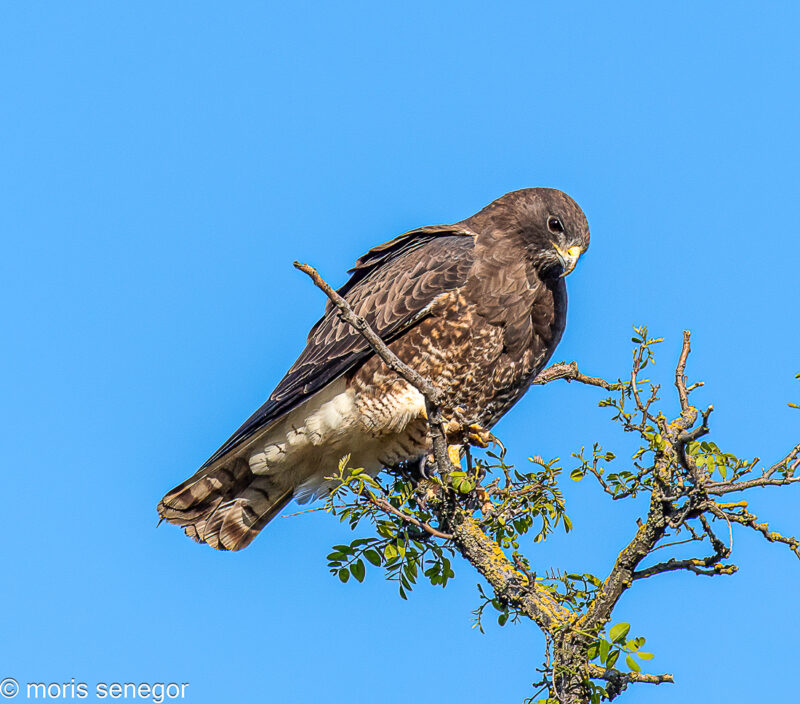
x=390 y=551
x=344 y=574
x=633 y=664
x=619 y=632
x=502 y=618
x=603 y=649
x=576 y=474
x=358 y=570
x=612 y=659
x=373 y=556
x=645 y=656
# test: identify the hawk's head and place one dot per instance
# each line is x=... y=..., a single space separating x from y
x=551 y=225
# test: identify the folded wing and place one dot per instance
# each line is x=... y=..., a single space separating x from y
x=391 y=286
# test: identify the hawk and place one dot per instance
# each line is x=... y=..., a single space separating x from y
x=478 y=307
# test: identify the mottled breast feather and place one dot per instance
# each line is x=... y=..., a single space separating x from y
x=391 y=286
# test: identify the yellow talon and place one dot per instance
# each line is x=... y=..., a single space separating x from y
x=479 y=437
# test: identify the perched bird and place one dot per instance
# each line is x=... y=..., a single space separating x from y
x=478 y=307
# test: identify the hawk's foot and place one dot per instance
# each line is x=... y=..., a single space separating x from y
x=478 y=436
x=474 y=434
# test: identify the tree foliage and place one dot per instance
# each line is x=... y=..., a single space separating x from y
x=488 y=511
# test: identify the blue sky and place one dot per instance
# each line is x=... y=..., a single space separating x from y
x=163 y=164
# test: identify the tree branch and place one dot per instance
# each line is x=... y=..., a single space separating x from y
x=680 y=372
x=609 y=675
x=569 y=372
x=708 y=566
x=386 y=507
x=508 y=582
x=788 y=465
x=620 y=680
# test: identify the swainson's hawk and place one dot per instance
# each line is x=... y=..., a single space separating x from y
x=478 y=307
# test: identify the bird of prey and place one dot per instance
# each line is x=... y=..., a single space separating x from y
x=478 y=307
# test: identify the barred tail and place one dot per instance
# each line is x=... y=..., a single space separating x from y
x=225 y=506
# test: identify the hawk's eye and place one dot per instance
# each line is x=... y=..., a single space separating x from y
x=554 y=225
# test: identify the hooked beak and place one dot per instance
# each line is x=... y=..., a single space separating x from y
x=569 y=258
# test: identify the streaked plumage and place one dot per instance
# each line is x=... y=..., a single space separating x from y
x=478 y=307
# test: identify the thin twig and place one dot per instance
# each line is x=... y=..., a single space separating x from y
x=569 y=372
x=386 y=507
x=425 y=387
x=300 y=513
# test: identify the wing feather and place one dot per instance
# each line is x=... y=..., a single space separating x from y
x=391 y=286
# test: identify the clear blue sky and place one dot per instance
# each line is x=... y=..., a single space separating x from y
x=163 y=163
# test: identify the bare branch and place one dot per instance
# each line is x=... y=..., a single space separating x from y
x=708 y=566
x=680 y=372
x=625 y=678
x=721 y=488
x=570 y=372
x=745 y=518
x=622 y=574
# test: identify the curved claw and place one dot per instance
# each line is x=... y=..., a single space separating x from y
x=479 y=436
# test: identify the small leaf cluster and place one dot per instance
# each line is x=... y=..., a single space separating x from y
x=710 y=459
x=505 y=611
x=521 y=501
x=607 y=650
x=403 y=549
x=619 y=484
x=575 y=591
x=645 y=344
